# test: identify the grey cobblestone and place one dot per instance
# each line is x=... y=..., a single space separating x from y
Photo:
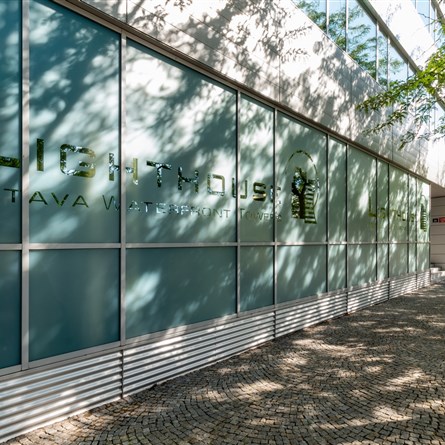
x=374 y=377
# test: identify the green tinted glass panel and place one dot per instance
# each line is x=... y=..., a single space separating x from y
x=337 y=22
x=167 y=288
x=362 y=197
x=336 y=267
x=382 y=261
x=398 y=259
x=412 y=212
x=412 y=257
x=301 y=272
x=10 y=314
x=256 y=287
x=301 y=178
x=74 y=127
x=398 y=205
x=382 y=201
x=256 y=170
x=181 y=140
x=73 y=301
x=10 y=110
x=382 y=45
x=337 y=191
x=423 y=212
x=423 y=257
x=398 y=68
x=362 y=34
x=362 y=264
x=315 y=10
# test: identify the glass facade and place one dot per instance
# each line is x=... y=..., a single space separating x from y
x=159 y=197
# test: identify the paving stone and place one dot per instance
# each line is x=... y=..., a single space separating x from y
x=376 y=376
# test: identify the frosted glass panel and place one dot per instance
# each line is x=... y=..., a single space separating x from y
x=382 y=201
x=256 y=277
x=337 y=267
x=362 y=197
x=256 y=169
x=10 y=110
x=10 y=314
x=412 y=215
x=412 y=257
x=301 y=271
x=398 y=205
x=423 y=257
x=423 y=211
x=74 y=300
x=382 y=261
x=301 y=176
x=175 y=287
x=337 y=191
x=362 y=264
x=181 y=152
x=398 y=259
x=74 y=127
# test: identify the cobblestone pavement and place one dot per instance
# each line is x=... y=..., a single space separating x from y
x=374 y=377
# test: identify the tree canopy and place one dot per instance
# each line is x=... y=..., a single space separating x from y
x=417 y=101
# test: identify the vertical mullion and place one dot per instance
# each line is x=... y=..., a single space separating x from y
x=327 y=237
x=274 y=209
x=25 y=187
x=238 y=216
x=347 y=216
x=123 y=213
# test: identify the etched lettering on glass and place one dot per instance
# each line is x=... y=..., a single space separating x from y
x=90 y=166
x=305 y=186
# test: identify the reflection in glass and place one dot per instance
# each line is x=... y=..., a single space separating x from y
x=337 y=22
x=256 y=287
x=74 y=104
x=10 y=309
x=383 y=57
x=398 y=68
x=301 y=272
x=315 y=10
x=174 y=287
x=362 y=37
x=10 y=111
x=74 y=300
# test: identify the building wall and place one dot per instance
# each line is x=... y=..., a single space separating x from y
x=162 y=213
x=438 y=232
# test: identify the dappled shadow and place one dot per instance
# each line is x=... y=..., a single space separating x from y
x=375 y=375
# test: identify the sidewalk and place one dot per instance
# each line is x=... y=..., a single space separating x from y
x=374 y=377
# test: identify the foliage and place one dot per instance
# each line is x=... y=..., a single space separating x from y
x=416 y=101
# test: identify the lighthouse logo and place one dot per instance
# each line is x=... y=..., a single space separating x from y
x=305 y=186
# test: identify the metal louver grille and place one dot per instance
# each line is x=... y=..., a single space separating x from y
x=309 y=312
x=423 y=279
x=41 y=397
x=402 y=285
x=146 y=365
x=367 y=296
